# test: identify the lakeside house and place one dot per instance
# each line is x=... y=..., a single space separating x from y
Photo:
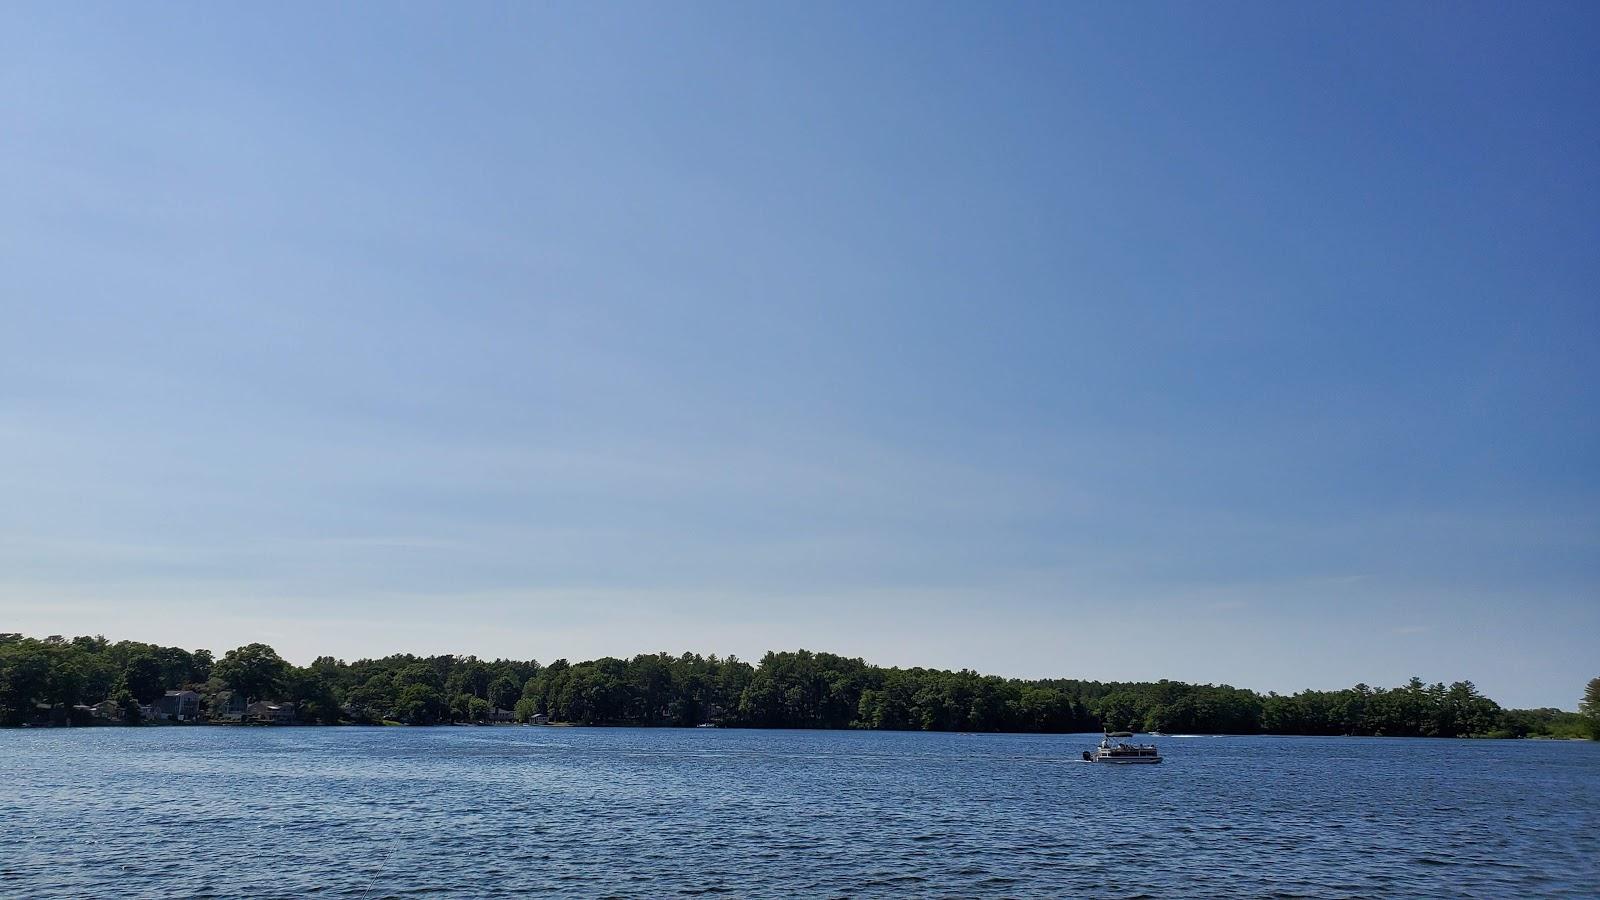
x=176 y=706
x=228 y=706
x=538 y=719
x=502 y=716
x=264 y=713
x=48 y=714
x=109 y=711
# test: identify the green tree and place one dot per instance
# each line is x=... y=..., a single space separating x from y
x=375 y=698
x=24 y=679
x=311 y=692
x=419 y=673
x=477 y=710
x=201 y=665
x=66 y=682
x=504 y=692
x=255 y=670
x=129 y=705
x=142 y=677
x=1589 y=707
x=420 y=704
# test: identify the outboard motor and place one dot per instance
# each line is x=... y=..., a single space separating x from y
x=1087 y=757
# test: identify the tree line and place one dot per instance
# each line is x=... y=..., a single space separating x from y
x=794 y=689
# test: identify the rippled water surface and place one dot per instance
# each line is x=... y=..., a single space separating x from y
x=394 y=812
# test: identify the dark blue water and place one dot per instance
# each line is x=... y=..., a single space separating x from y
x=485 y=812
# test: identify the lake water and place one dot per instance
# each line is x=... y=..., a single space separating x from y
x=487 y=812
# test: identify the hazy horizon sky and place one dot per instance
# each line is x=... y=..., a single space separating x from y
x=1243 y=343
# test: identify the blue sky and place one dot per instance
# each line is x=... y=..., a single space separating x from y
x=1224 y=342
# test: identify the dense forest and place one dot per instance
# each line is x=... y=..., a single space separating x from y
x=797 y=689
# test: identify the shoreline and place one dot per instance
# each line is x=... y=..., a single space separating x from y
x=106 y=726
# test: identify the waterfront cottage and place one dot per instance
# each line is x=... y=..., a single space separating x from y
x=265 y=713
x=176 y=706
x=228 y=706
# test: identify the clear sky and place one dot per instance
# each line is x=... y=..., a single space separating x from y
x=1251 y=343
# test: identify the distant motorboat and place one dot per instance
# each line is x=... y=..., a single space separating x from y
x=706 y=725
x=1115 y=749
